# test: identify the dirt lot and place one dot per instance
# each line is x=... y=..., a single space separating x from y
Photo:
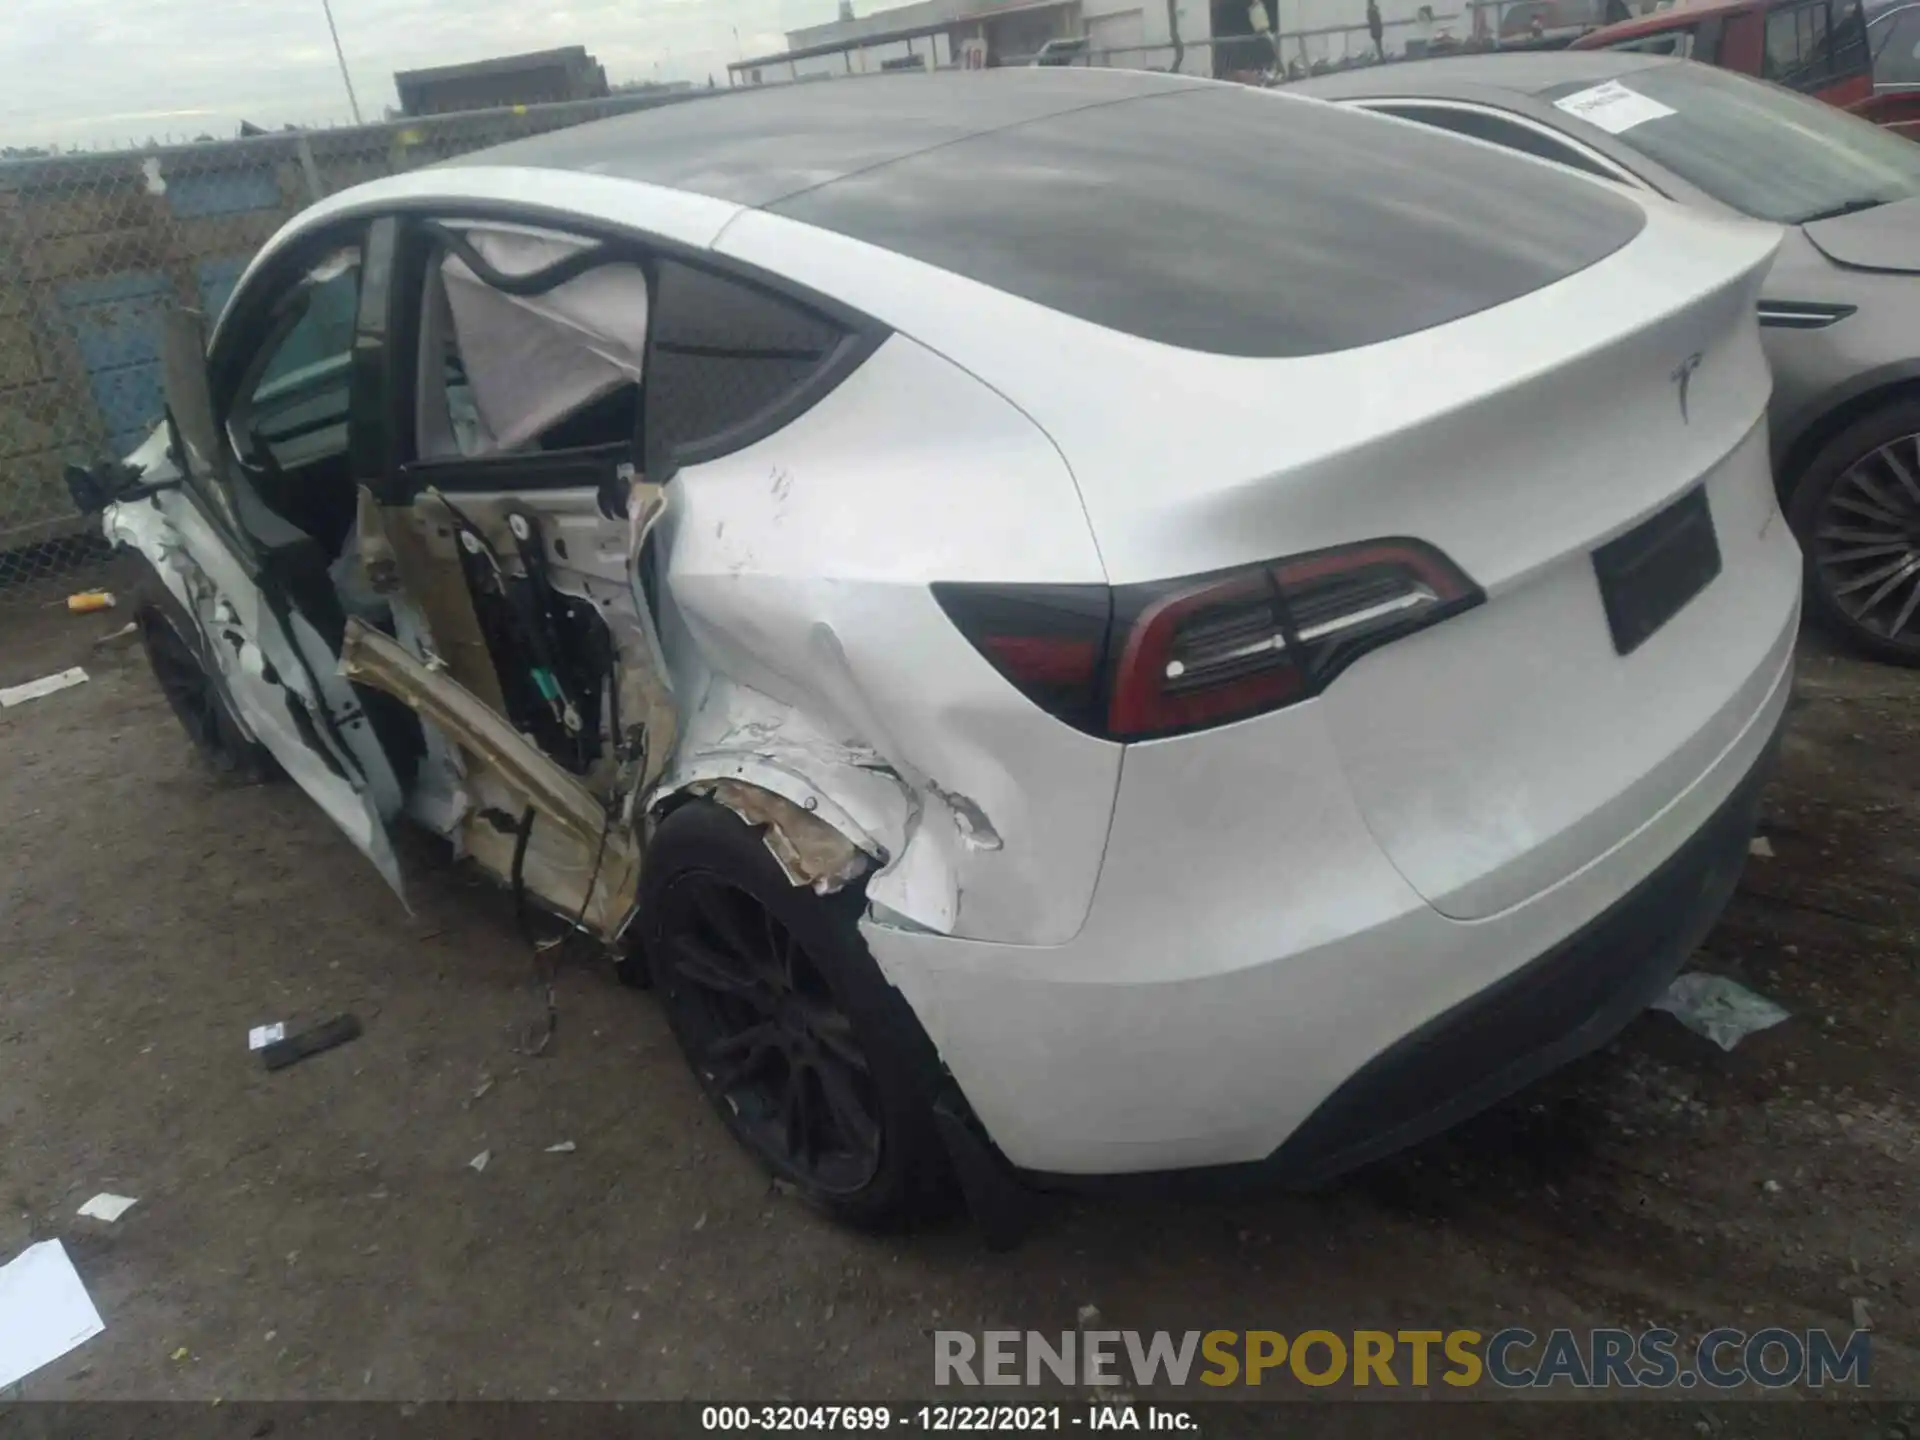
x=318 y=1233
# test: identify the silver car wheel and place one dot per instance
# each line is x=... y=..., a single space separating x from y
x=1867 y=541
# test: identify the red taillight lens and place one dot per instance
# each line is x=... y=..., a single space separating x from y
x=1201 y=653
x=1049 y=640
x=1168 y=657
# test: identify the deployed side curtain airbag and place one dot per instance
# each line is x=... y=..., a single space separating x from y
x=533 y=360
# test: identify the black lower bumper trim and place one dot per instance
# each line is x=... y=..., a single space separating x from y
x=1566 y=1003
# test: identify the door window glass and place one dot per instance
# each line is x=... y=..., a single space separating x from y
x=292 y=409
x=288 y=422
x=322 y=336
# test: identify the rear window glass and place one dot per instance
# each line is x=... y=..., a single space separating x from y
x=1234 y=221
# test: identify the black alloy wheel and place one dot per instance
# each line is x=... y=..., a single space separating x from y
x=768 y=1038
x=813 y=1060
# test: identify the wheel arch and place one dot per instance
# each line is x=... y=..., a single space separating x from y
x=1794 y=450
x=832 y=809
x=815 y=841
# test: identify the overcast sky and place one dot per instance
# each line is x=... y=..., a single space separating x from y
x=87 y=71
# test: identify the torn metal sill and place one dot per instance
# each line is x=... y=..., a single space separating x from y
x=374 y=659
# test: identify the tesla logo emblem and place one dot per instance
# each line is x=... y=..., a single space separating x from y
x=1683 y=377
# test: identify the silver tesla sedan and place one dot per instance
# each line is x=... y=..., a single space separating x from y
x=1840 y=309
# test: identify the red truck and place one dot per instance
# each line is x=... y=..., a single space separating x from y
x=1822 y=48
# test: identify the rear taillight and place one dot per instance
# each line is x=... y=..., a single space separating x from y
x=1164 y=658
x=1049 y=640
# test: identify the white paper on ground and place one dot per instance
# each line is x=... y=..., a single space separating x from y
x=108 y=1207
x=45 y=685
x=261 y=1036
x=1613 y=107
x=45 y=1311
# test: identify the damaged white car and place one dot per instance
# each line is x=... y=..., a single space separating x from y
x=1074 y=622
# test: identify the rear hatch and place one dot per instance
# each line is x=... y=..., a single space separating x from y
x=1259 y=327
x=1594 y=458
x=1618 y=511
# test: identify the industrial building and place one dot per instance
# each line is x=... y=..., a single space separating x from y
x=543 y=77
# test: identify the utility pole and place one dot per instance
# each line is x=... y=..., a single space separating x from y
x=341 y=56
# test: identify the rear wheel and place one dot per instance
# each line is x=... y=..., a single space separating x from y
x=815 y=1063
x=199 y=701
x=1857 y=513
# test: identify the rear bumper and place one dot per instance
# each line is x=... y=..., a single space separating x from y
x=1257 y=986
x=1560 y=1006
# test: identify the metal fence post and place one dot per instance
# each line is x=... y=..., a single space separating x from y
x=304 y=148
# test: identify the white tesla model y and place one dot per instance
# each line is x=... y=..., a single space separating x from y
x=1072 y=622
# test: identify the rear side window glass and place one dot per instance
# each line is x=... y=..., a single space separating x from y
x=725 y=357
x=1498 y=131
x=1230 y=220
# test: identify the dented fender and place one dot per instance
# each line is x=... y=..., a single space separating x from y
x=777 y=767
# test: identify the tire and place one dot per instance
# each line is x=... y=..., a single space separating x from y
x=1856 y=511
x=809 y=1028
x=194 y=690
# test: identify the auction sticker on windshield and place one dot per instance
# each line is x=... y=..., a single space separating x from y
x=1613 y=107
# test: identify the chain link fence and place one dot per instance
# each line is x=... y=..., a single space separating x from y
x=95 y=247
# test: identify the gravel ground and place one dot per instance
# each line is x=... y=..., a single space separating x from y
x=320 y=1234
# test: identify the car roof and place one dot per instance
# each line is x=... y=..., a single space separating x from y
x=1687 y=12
x=762 y=144
x=1465 y=76
x=1018 y=179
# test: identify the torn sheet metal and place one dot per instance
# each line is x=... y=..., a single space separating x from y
x=587 y=559
x=739 y=733
x=411 y=558
x=915 y=839
x=414 y=552
x=922 y=886
x=270 y=672
x=646 y=683
x=525 y=775
x=810 y=851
